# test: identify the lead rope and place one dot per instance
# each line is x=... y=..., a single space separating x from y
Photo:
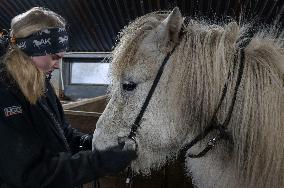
x=129 y=178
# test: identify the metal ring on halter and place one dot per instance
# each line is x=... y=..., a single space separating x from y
x=134 y=139
x=134 y=128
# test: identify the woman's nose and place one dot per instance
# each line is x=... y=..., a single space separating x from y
x=56 y=65
x=57 y=56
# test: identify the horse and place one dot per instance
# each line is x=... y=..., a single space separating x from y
x=201 y=75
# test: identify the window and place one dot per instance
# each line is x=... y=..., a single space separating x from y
x=90 y=73
x=85 y=75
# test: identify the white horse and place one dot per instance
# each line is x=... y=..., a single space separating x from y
x=205 y=59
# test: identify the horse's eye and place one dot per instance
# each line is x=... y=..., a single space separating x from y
x=129 y=86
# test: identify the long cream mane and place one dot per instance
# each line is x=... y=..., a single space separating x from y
x=202 y=61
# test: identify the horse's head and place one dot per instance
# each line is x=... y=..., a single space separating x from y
x=135 y=64
x=204 y=59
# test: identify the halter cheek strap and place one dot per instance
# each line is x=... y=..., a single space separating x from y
x=137 y=121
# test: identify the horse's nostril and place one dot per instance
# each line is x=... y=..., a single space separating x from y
x=130 y=86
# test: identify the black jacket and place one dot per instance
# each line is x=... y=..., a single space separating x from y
x=38 y=147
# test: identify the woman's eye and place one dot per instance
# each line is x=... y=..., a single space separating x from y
x=129 y=86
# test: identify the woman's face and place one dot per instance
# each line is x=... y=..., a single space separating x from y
x=48 y=63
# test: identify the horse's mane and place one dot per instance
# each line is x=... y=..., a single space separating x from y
x=257 y=122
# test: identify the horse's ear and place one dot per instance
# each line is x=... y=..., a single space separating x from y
x=172 y=24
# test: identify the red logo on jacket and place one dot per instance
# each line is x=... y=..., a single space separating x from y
x=13 y=110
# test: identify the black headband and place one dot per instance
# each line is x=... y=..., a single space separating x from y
x=43 y=42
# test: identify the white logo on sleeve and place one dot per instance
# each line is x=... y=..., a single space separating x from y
x=13 y=110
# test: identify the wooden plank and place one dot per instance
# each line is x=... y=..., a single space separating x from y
x=82 y=113
x=83 y=102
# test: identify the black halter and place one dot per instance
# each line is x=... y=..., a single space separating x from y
x=137 y=121
x=213 y=125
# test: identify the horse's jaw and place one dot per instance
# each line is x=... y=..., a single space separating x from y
x=149 y=161
x=215 y=169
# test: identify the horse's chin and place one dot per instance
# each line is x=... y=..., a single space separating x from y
x=148 y=162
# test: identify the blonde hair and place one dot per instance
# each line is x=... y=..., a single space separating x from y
x=19 y=66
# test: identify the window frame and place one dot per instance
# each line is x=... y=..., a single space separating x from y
x=82 y=90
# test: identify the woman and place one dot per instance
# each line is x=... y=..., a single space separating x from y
x=38 y=147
